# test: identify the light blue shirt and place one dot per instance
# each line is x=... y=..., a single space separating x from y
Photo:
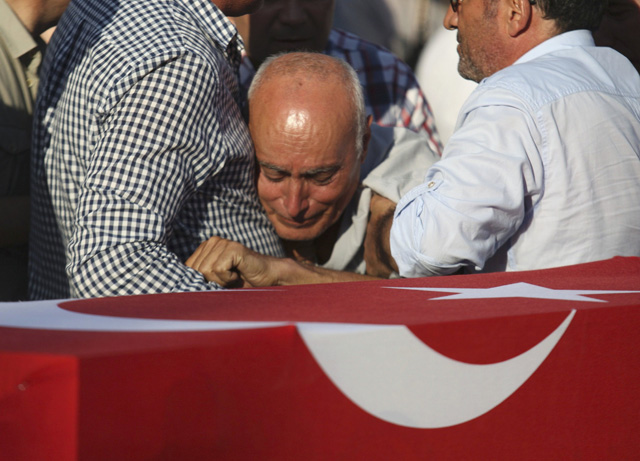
x=543 y=169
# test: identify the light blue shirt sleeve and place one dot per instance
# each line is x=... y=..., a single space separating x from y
x=473 y=200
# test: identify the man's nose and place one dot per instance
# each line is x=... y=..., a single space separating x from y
x=296 y=200
x=292 y=12
x=450 y=21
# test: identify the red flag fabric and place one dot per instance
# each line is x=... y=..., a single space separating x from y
x=526 y=365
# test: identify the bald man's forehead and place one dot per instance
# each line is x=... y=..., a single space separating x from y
x=301 y=91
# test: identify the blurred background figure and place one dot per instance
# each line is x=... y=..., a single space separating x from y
x=620 y=29
x=371 y=20
x=402 y=26
x=21 y=49
x=392 y=93
x=412 y=29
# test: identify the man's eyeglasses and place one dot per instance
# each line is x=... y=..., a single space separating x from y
x=455 y=3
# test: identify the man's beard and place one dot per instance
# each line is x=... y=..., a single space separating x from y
x=468 y=70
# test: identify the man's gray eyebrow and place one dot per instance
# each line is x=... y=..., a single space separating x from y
x=311 y=172
x=273 y=167
x=322 y=169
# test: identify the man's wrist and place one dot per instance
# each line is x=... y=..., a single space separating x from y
x=291 y=272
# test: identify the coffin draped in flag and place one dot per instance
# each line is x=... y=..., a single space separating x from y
x=529 y=365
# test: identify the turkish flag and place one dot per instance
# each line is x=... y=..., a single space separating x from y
x=525 y=365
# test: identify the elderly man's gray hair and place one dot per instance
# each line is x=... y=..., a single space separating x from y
x=321 y=67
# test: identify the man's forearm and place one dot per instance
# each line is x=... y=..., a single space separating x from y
x=232 y=265
x=377 y=247
x=290 y=272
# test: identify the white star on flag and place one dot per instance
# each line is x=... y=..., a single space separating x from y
x=517 y=290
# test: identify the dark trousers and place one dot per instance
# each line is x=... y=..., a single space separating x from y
x=13 y=273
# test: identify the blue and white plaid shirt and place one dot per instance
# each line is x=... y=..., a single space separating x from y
x=140 y=150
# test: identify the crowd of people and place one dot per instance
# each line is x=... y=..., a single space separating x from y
x=207 y=144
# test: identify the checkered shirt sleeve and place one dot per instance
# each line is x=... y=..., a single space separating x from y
x=140 y=151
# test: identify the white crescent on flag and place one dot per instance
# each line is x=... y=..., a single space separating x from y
x=390 y=373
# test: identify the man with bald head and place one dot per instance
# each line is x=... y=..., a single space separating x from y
x=392 y=93
x=328 y=178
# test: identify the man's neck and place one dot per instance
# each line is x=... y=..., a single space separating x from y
x=37 y=16
x=25 y=10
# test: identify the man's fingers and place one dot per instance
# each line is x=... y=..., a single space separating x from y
x=195 y=259
x=217 y=259
x=201 y=254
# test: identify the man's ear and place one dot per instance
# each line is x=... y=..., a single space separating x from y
x=519 y=19
x=366 y=138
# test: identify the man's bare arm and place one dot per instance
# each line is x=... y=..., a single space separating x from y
x=377 y=247
x=232 y=265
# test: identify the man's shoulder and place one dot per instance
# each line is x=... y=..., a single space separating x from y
x=129 y=40
x=557 y=74
x=139 y=30
x=571 y=54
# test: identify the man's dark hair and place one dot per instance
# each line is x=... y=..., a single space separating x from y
x=573 y=14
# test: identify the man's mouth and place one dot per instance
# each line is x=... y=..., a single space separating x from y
x=299 y=224
x=292 y=40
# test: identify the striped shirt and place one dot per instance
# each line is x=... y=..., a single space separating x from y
x=140 y=150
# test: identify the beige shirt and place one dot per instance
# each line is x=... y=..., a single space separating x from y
x=20 y=57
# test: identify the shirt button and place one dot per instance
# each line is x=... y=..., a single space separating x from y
x=431 y=184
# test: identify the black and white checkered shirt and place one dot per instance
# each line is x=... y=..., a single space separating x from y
x=140 y=150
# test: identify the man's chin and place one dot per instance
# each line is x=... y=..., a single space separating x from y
x=299 y=233
x=467 y=75
x=248 y=7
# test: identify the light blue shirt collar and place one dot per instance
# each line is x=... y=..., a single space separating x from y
x=571 y=39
